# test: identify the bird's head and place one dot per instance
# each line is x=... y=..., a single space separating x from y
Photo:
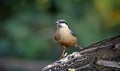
x=61 y=23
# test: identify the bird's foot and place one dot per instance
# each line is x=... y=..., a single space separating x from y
x=63 y=55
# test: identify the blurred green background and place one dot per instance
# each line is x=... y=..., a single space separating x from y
x=27 y=27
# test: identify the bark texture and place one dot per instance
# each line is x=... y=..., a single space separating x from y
x=100 y=56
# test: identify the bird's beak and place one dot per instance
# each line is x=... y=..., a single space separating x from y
x=57 y=22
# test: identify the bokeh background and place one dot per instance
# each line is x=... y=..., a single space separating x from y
x=27 y=27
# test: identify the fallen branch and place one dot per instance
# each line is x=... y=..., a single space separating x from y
x=101 y=56
x=109 y=63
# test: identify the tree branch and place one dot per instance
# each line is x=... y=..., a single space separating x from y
x=101 y=56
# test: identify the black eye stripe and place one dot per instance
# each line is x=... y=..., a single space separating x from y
x=62 y=22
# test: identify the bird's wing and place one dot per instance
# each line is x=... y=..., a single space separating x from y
x=72 y=33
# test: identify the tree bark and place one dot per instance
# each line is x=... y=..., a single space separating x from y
x=100 y=56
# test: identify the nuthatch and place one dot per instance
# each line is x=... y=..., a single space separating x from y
x=64 y=36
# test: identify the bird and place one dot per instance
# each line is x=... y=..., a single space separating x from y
x=65 y=37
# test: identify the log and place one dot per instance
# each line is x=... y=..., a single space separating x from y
x=100 y=56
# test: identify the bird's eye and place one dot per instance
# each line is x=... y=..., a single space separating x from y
x=62 y=22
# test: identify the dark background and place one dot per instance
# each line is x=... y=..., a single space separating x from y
x=27 y=29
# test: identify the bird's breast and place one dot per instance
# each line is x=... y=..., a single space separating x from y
x=66 y=38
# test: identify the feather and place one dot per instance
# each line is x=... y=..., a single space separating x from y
x=72 y=33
